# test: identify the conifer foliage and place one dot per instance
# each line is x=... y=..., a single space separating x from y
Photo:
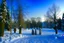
x=3 y=13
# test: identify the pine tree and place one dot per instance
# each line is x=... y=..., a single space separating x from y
x=40 y=28
x=63 y=22
x=28 y=24
x=31 y=26
x=3 y=12
x=34 y=26
x=8 y=21
x=39 y=24
x=59 y=23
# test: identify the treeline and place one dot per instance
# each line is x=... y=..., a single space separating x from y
x=34 y=24
x=59 y=23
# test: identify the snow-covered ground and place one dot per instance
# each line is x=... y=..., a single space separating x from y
x=47 y=36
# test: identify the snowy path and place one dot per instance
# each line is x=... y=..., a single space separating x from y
x=48 y=36
x=40 y=39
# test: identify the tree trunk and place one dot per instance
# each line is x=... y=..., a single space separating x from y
x=14 y=30
x=35 y=32
x=9 y=28
x=55 y=30
x=32 y=32
x=19 y=30
x=39 y=31
x=1 y=29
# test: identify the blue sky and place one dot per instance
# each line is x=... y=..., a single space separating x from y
x=38 y=8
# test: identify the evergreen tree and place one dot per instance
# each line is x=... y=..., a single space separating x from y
x=3 y=12
x=63 y=22
x=31 y=26
x=39 y=25
x=27 y=24
x=34 y=25
x=8 y=21
x=59 y=23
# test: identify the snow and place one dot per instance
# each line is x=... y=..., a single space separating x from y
x=47 y=36
x=39 y=39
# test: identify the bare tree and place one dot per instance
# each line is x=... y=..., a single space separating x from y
x=52 y=14
x=21 y=23
x=15 y=20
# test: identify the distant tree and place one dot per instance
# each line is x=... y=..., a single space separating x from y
x=11 y=12
x=33 y=22
x=52 y=14
x=39 y=24
x=63 y=22
x=33 y=25
x=59 y=23
x=15 y=26
x=28 y=23
x=32 y=32
x=15 y=15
